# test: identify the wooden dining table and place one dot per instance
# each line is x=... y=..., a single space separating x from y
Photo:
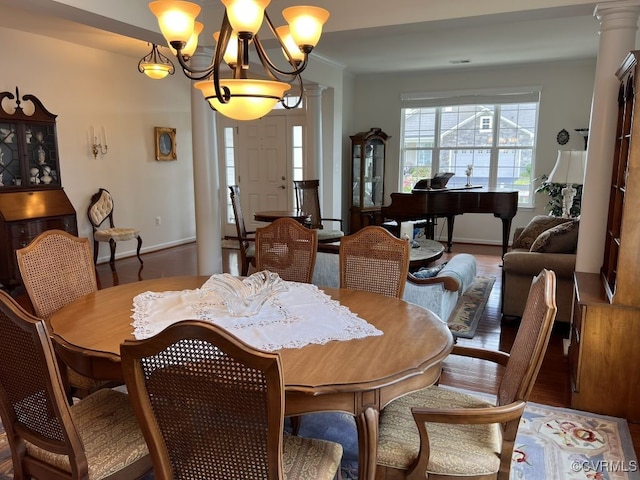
x=358 y=376
x=271 y=215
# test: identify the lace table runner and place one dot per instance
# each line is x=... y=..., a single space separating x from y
x=299 y=316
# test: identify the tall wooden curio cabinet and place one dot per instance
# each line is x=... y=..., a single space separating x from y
x=368 y=155
x=31 y=195
x=603 y=354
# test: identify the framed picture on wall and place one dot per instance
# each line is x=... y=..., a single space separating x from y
x=165 y=143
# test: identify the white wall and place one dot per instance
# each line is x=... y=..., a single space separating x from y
x=567 y=89
x=87 y=87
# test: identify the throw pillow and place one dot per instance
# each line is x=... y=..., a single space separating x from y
x=536 y=226
x=428 y=272
x=562 y=238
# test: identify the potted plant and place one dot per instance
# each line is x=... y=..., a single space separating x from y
x=554 y=190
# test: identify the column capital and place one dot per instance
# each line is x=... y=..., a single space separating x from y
x=621 y=14
x=314 y=90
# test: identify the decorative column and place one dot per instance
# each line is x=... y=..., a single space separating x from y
x=205 y=176
x=618 y=27
x=313 y=147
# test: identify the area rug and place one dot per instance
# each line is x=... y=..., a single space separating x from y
x=552 y=444
x=464 y=319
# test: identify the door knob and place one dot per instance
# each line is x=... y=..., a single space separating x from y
x=282 y=187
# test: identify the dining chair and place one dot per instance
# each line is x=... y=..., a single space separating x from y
x=372 y=259
x=308 y=200
x=288 y=249
x=246 y=239
x=56 y=269
x=97 y=437
x=100 y=210
x=440 y=432
x=212 y=407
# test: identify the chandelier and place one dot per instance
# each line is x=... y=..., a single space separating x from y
x=241 y=97
x=155 y=65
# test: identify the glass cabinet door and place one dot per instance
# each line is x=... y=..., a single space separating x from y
x=10 y=173
x=356 y=175
x=40 y=141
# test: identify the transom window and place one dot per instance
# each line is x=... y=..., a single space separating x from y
x=494 y=141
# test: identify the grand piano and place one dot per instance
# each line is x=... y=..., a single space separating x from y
x=447 y=203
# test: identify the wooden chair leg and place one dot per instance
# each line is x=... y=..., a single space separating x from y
x=112 y=260
x=96 y=245
x=138 y=249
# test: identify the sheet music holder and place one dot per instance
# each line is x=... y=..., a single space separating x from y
x=439 y=181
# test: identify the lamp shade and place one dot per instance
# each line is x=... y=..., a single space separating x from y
x=305 y=23
x=176 y=19
x=191 y=46
x=246 y=15
x=250 y=99
x=230 y=55
x=569 y=168
x=291 y=46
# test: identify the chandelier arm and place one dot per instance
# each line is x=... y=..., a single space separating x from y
x=271 y=67
x=297 y=104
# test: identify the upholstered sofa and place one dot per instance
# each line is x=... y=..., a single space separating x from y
x=439 y=293
x=546 y=242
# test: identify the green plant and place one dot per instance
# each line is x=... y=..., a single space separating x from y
x=554 y=190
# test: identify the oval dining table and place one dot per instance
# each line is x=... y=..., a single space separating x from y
x=358 y=376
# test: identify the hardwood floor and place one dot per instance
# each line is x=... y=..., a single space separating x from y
x=552 y=385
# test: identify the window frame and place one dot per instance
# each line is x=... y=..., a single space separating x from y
x=495 y=99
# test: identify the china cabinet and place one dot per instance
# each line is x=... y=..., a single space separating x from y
x=368 y=155
x=31 y=196
x=602 y=355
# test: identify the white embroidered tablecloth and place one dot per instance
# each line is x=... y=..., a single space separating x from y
x=299 y=316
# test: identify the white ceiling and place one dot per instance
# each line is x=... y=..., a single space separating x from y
x=365 y=36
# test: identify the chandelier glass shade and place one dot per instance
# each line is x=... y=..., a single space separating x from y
x=155 y=65
x=239 y=96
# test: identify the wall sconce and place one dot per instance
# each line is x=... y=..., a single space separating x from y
x=97 y=145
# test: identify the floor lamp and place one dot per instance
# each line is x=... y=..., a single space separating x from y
x=569 y=171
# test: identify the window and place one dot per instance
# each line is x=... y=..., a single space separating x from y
x=496 y=136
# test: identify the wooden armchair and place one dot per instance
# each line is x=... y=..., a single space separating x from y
x=287 y=248
x=56 y=269
x=245 y=238
x=211 y=406
x=308 y=200
x=445 y=433
x=372 y=259
x=101 y=209
x=97 y=437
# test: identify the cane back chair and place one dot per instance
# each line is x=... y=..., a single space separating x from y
x=95 y=438
x=287 y=248
x=372 y=259
x=212 y=407
x=56 y=269
x=444 y=433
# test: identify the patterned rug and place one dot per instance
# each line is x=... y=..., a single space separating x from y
x=468 y=312
x=552 y=443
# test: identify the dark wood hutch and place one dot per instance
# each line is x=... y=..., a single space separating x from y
x=31 y=196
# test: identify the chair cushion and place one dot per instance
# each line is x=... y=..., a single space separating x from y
x=110 y=434
x=462 y=450
x=562 y=238
x=118 y=234
x=310 y=458
x=329 y=235
x=536 y=226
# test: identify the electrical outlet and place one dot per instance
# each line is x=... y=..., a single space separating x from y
x=158 y=221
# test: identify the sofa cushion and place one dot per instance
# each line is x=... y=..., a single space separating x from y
x=562 y=238
x=536 y=226
x=428 y=272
